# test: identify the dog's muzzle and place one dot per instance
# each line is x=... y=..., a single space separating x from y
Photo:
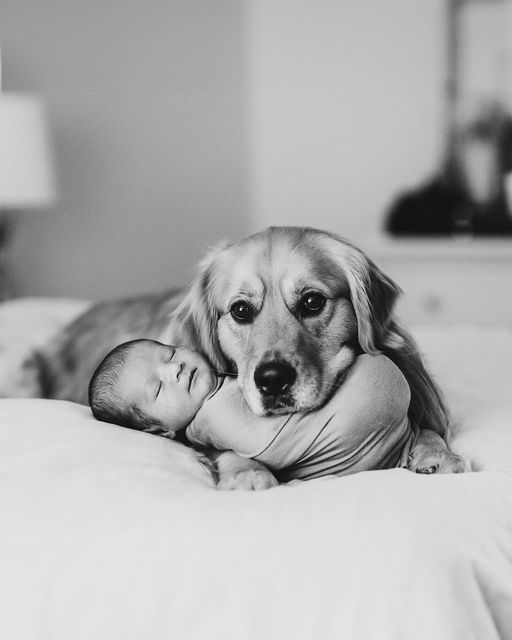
x=274 y=378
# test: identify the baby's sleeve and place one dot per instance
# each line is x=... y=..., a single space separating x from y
x=225 y=422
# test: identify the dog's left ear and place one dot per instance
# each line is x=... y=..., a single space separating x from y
x=373 y=295
x=197 y=314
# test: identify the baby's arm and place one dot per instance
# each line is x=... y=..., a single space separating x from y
x=242 y=474
x=225 y=422
x=225 y=426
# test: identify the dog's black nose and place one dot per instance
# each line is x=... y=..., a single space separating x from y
x=275 y=377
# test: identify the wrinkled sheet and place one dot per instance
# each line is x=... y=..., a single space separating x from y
x=111 y=533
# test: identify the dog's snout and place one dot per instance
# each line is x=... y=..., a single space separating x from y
x=275 y=377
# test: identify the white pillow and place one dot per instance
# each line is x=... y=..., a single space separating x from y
x=25 y=324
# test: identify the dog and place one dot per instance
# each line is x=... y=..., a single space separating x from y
x=287 y=310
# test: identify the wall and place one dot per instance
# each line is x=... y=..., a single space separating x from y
x=147 y=105
x=346 y=106
x=180 y=122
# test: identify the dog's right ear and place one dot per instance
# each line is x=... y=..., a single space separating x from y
x=197 y=315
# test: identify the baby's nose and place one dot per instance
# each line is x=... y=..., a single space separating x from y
x=175 y=370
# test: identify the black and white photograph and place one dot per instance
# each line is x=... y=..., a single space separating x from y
x=256 y=320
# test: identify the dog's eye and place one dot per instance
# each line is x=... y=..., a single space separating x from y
x=312 y=304
x=241 y=311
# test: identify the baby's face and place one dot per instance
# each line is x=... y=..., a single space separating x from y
x=166 y=383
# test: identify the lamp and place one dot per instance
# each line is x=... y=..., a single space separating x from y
x=26 y=167
x=26 y=170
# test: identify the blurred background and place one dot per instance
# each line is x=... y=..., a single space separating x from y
x=176 y=123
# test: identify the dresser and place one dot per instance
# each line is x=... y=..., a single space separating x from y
x=449 y=281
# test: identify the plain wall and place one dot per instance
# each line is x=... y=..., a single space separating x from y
x=347 y=108
x=179 y=122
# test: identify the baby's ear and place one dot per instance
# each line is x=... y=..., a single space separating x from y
x=198 y=313
x=160 y=430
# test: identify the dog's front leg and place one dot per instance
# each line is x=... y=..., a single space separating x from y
x=242 y=474
x=430 y=454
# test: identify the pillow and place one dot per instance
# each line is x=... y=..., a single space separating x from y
x=25 y=324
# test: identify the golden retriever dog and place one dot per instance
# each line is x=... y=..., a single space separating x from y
x=287 y=310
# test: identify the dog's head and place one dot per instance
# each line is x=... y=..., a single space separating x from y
x=287 y=309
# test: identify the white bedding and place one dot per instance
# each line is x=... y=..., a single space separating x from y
x=111 y=533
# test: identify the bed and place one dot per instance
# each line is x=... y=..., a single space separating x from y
x=111 y=533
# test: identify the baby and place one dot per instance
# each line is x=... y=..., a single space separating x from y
x=161 y=389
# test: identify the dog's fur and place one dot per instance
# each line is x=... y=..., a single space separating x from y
x=271 y=275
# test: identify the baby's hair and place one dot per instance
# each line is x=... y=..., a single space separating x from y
x=106 y=405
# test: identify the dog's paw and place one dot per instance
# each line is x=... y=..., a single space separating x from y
x=247 y=480
x=438 y=461
x=236 y=473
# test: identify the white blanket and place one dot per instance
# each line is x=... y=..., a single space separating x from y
x=111 y=533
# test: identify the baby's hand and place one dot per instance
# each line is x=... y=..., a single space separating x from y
x=242 y=474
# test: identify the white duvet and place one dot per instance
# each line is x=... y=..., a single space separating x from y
x=111 y=533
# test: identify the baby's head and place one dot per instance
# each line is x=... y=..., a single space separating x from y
x=150 y=386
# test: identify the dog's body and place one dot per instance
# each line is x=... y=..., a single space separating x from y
x=68 y=362
x=287 y=309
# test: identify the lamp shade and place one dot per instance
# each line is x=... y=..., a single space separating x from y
x=26 y=166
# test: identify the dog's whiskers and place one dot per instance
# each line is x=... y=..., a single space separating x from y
x=226 y=373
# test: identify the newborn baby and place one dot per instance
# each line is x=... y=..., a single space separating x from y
x=161 y=389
